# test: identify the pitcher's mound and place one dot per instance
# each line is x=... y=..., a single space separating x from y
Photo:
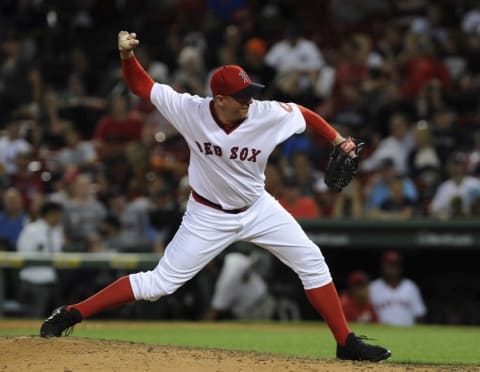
x=70 y=354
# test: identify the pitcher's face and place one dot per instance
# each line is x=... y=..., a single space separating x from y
x=235 y=109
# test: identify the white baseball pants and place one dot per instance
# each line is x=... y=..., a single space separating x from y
x=205 y=232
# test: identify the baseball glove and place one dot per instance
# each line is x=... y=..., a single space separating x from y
x=342 y=166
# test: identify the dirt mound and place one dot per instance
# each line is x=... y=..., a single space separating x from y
x=87 y=355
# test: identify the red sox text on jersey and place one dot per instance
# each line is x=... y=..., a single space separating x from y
x=243 y=154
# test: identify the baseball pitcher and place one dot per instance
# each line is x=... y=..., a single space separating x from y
x=230 y=137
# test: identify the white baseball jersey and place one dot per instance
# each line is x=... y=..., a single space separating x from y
x=304 y=55
x=468 y=189
x=397 y=306
x=38 y=236
x=228 y=168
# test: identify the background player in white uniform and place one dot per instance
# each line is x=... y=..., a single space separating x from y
x=396 y=300
x=230 y=137
x=240 y=290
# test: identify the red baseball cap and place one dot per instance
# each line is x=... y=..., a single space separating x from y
x=392 y=257
x=232 y=80
x=356 y=278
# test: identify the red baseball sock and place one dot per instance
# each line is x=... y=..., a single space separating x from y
x=118 y=293
x=325 y=300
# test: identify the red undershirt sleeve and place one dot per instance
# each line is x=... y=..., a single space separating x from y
x=137 y=79
x=318 y=123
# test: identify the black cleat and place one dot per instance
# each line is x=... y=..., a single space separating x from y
x=356 y=349
x=60 y=322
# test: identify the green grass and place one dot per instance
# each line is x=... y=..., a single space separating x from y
x=420 y=344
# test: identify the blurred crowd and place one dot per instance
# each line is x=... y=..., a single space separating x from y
x=402 y=75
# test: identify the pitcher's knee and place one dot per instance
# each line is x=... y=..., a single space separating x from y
x=149 y=286
x=315 y=280
x=315 y=274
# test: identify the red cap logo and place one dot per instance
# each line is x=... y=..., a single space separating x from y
x=232 y=80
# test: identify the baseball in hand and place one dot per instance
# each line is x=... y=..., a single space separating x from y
x=127 y=41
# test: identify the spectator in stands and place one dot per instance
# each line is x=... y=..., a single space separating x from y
x=396 y=147
x=425 y=165
x=325 y=83
x=459 y=185
x=430 y=100
x=274 y=180
x=38 y=283
x=240 y=292
x=421 y=65
x=474 y=155
x=134 y=223
x=473 y=52
x=463 y=98
x=61 y=184
x=190 y=76
x=36 y=207
x=156 y=69
x=164 y=216
x=295 y=53
x=471 y=19
x=297 y=61
x=119 y=128
x=378 y=192
x=456 y=208
x=254 y=62
x=160 y=204
x=82 y=109
x=20 y=79
x=76 y=152
x=446 y=136
x=424 y=157
x=167 y=150
x=110 y=239
x=352 y=70
x=289 y=87
x=350 y=202
x=27 y=179
x=117 y=139
x=397 y=206
x=81 y=67
x=307 y=177
x=12 y=219
x=475 y=208
x=53 y=135
x=353 y=111
x=355 y=301
x=11 y=143
x=231 y=49
x=83 y=214
x=431 y=24
x=396 y=300
x=392 y=102
x=293 y=201
x=454 y=58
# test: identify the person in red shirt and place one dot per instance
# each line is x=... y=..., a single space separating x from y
x=118 y=128
x=27 y=182
x=297 y=205
x=421 y=66
x=355 y=302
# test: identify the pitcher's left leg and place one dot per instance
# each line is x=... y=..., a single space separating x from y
x=277 y=231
